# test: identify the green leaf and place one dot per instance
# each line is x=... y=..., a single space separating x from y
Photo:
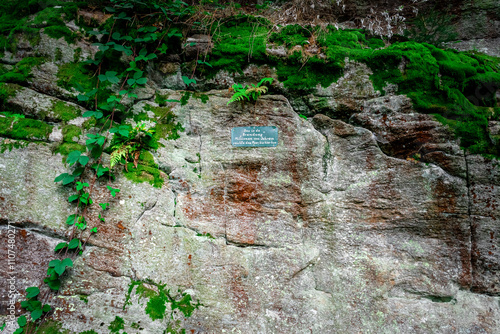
x=2 y=327
x=19 y=330
x=96 y=114
x=142 y=81
x=163 y=49
x=71 y=219
x=94 y=230
x=116 y=36
x=138 y=74
x=73 y=198
x=60 y=245
x=46 y=308
x=188 y=81
x=68 y=179
x=26 y=305
x=21 y=321
x=52 y=264
x=83 y=160
x=204 y=63
x=104 y=206
x=130 y=82
x=60 y=266
x=73 y=157
x=74 y=243
x=113 y=191
x=32 y=292
x=54 y=284
x=61 y=177
x=36 y=314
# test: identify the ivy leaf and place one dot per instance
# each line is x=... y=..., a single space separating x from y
x=113 y=191
x=101 y=170
x=163 y=49
x=19 y=330
x=73 y=198
x=110 y=9
x=74 y=243
x=96 y=114
x=68 y=179
x=83 y=160
x=188 y=81
x=32 y=292
x=60 y=266
x=46 y=308
x=60 y=245
x=102 y=218
x=142 y=81
x=94 y=230
x=53 y=281
x=71 y=219
x=36 y=314
x=116 y=36
x=138 y=74
x=104 y=206
x=61 y=177
x=21 y=321
x=73 y=157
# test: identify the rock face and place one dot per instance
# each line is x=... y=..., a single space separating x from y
x=368 y=217
x=332 y=230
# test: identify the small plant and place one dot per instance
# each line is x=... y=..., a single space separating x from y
x=128 y=142
x=251 y=93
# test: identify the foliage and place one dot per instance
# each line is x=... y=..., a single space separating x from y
x=432 y=27
x=130 y=36
x=251 y=93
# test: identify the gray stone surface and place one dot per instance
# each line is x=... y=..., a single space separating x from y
x=324 y=233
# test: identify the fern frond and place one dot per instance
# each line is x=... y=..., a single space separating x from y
x=238 y=96
x=118 y=154
x=270 y=80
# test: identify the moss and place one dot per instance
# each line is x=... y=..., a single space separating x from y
x=24 y=128
x=9 y=144
x=145 y=172
x=61 y=32
x=156 y=306
x=291 y=35
x=58 y=55
x=73 y=74
x=69 y=132
x=64 y=111
x=166 y=126
x=65 y=148
x=77 y=55
x=116 y=325
x=237 y=42
x=22 y=70
x=51 y=327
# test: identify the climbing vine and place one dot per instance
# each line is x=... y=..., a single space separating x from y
x=131 y=35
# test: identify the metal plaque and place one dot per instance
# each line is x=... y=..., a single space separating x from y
x=254 y=136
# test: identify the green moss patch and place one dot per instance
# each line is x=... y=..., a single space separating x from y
x=159 y=298
x=458 y=87
x=64 y=111
x=22 y=70
x=70 y=132
x=146 y=171
x=24 y=128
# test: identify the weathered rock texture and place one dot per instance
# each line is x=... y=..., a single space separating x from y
x=324 y=233
x=366 y=218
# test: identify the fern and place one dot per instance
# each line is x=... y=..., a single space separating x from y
x=250 y=93
x=120 y=153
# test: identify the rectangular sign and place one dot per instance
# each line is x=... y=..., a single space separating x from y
x=254 y=136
